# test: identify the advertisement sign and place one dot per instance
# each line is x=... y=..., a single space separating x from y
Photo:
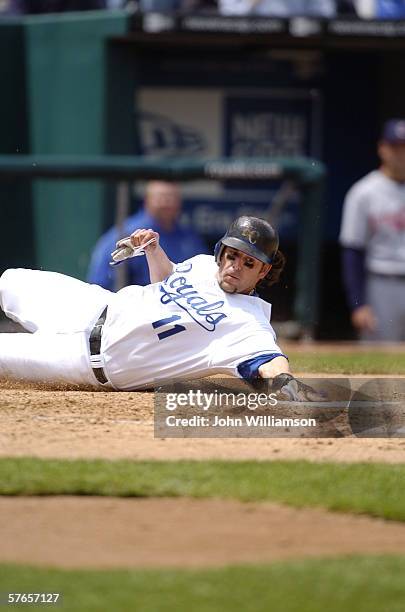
x=213 y=123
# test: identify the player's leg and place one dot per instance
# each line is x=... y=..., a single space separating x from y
x=46 y=358
x=402 y=302
x=385 y=294
x=40 y=300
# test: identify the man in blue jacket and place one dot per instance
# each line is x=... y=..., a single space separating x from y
x=162 y=208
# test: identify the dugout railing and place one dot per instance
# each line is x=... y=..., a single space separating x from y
x=304 y=173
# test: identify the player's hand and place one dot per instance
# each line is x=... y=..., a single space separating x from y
x=141 y=236
x=288 y=388
x=364 y=319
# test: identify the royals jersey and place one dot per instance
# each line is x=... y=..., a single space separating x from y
x=185 y=327
x=374 y=220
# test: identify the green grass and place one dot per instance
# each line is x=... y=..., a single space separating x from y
x=358 y=584
x=376 y=362
x=374 y=489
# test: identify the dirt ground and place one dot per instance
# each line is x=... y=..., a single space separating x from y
x=108 y=532
x=89 y=424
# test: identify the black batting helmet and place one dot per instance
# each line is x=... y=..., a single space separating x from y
x=253 y=236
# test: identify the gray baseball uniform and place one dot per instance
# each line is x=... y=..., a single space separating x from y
x=374 y=221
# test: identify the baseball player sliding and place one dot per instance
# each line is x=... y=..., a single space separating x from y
x=198 y=317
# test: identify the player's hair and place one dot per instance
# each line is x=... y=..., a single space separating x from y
x=274 y=274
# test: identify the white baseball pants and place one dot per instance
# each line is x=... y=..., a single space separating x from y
x=60 y=312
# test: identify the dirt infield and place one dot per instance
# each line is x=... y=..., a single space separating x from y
x=89 y=424
x=71 y=532
x=109 y=532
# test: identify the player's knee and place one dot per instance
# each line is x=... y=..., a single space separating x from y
x=4 y=278
x=6 y=274
x=14 y=273
x=3 y=283
x=8 y=279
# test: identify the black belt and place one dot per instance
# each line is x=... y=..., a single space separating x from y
x=95 y=348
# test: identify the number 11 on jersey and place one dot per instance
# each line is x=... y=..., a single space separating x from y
x=175 y=329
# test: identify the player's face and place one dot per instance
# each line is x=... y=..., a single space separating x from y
x=393 y=158
x=240 y=273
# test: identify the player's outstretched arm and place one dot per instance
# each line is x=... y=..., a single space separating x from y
x=159 y=264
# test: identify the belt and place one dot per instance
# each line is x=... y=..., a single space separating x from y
x=95 y=349
x=398 y=277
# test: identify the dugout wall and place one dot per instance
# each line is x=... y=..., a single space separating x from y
x=54 y=101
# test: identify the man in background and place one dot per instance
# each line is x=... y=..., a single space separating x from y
x=373 y=240
x=279 y=8
x=162 y=209
x=378 y=9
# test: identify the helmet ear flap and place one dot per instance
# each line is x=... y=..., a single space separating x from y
x=219 y=247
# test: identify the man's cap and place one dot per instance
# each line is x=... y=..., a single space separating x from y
x=394 y=131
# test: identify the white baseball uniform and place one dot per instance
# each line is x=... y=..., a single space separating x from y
x=183 y=327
